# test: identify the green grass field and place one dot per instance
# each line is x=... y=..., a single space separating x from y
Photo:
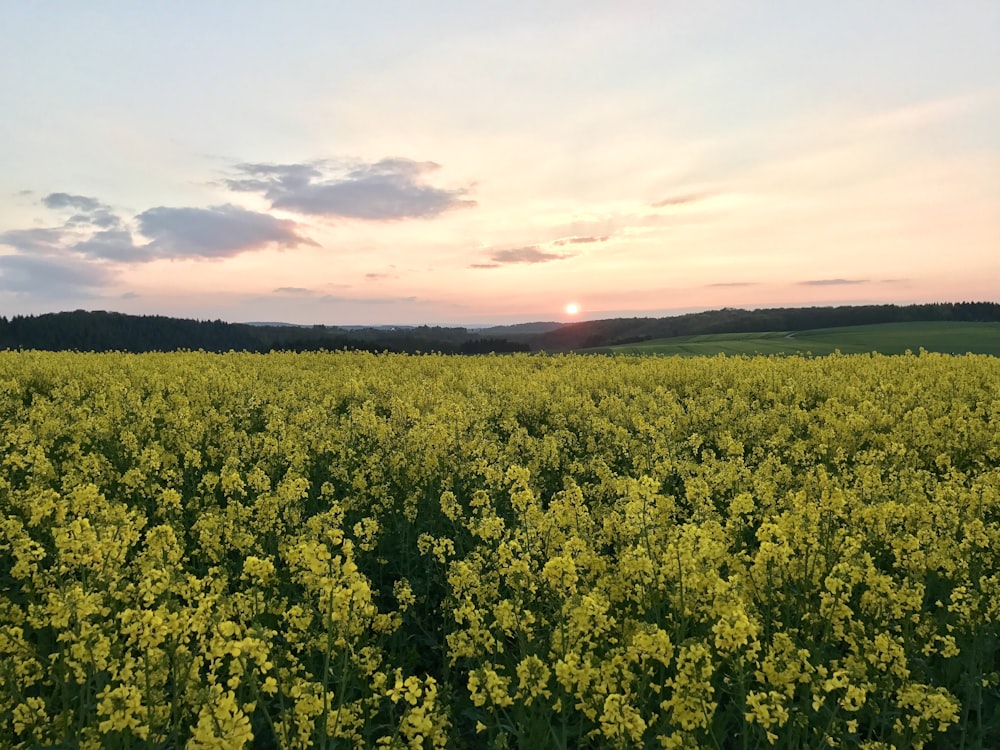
x=886 y=338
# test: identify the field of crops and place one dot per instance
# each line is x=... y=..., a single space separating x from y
x=951 y=337
x=354 y=550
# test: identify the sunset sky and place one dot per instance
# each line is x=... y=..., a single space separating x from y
x=478 y=162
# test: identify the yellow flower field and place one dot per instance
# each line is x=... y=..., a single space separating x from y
x=354 y=550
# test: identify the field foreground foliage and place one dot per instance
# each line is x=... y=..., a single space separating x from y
x=357 y=550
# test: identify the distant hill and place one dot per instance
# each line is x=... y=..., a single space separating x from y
x=521 y=329
x=108 y=331
x=620 y=331
x=274 y=324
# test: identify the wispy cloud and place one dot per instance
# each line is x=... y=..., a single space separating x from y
x=581 y=240
x=367 y=300
x=923 y=113
x=833 y=282
x=385 y=190
x=529 y=254
x=678 y=200
x=293 y=290
x=51 y=275
x=734 y=283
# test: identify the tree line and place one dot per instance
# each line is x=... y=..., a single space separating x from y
x=101 y=331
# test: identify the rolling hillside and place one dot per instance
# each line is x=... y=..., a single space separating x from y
x=886 y=338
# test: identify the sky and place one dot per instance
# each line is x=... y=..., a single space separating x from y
x=473 y=163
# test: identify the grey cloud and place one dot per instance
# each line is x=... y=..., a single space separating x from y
x=529 y=254
x=216 y=232
x=484 y=265
x=89 y=211
x=78 y=257
x=66 y=200
x=33 y=240
x=130 y=295
x=382 y=191
x=50 y=275
x=833 y=282
x=103 y=219
x=113 y=244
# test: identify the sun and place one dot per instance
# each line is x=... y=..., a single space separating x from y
x=572 y=308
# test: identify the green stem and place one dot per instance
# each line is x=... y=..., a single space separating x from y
x=149 y=691
x=326 y=666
